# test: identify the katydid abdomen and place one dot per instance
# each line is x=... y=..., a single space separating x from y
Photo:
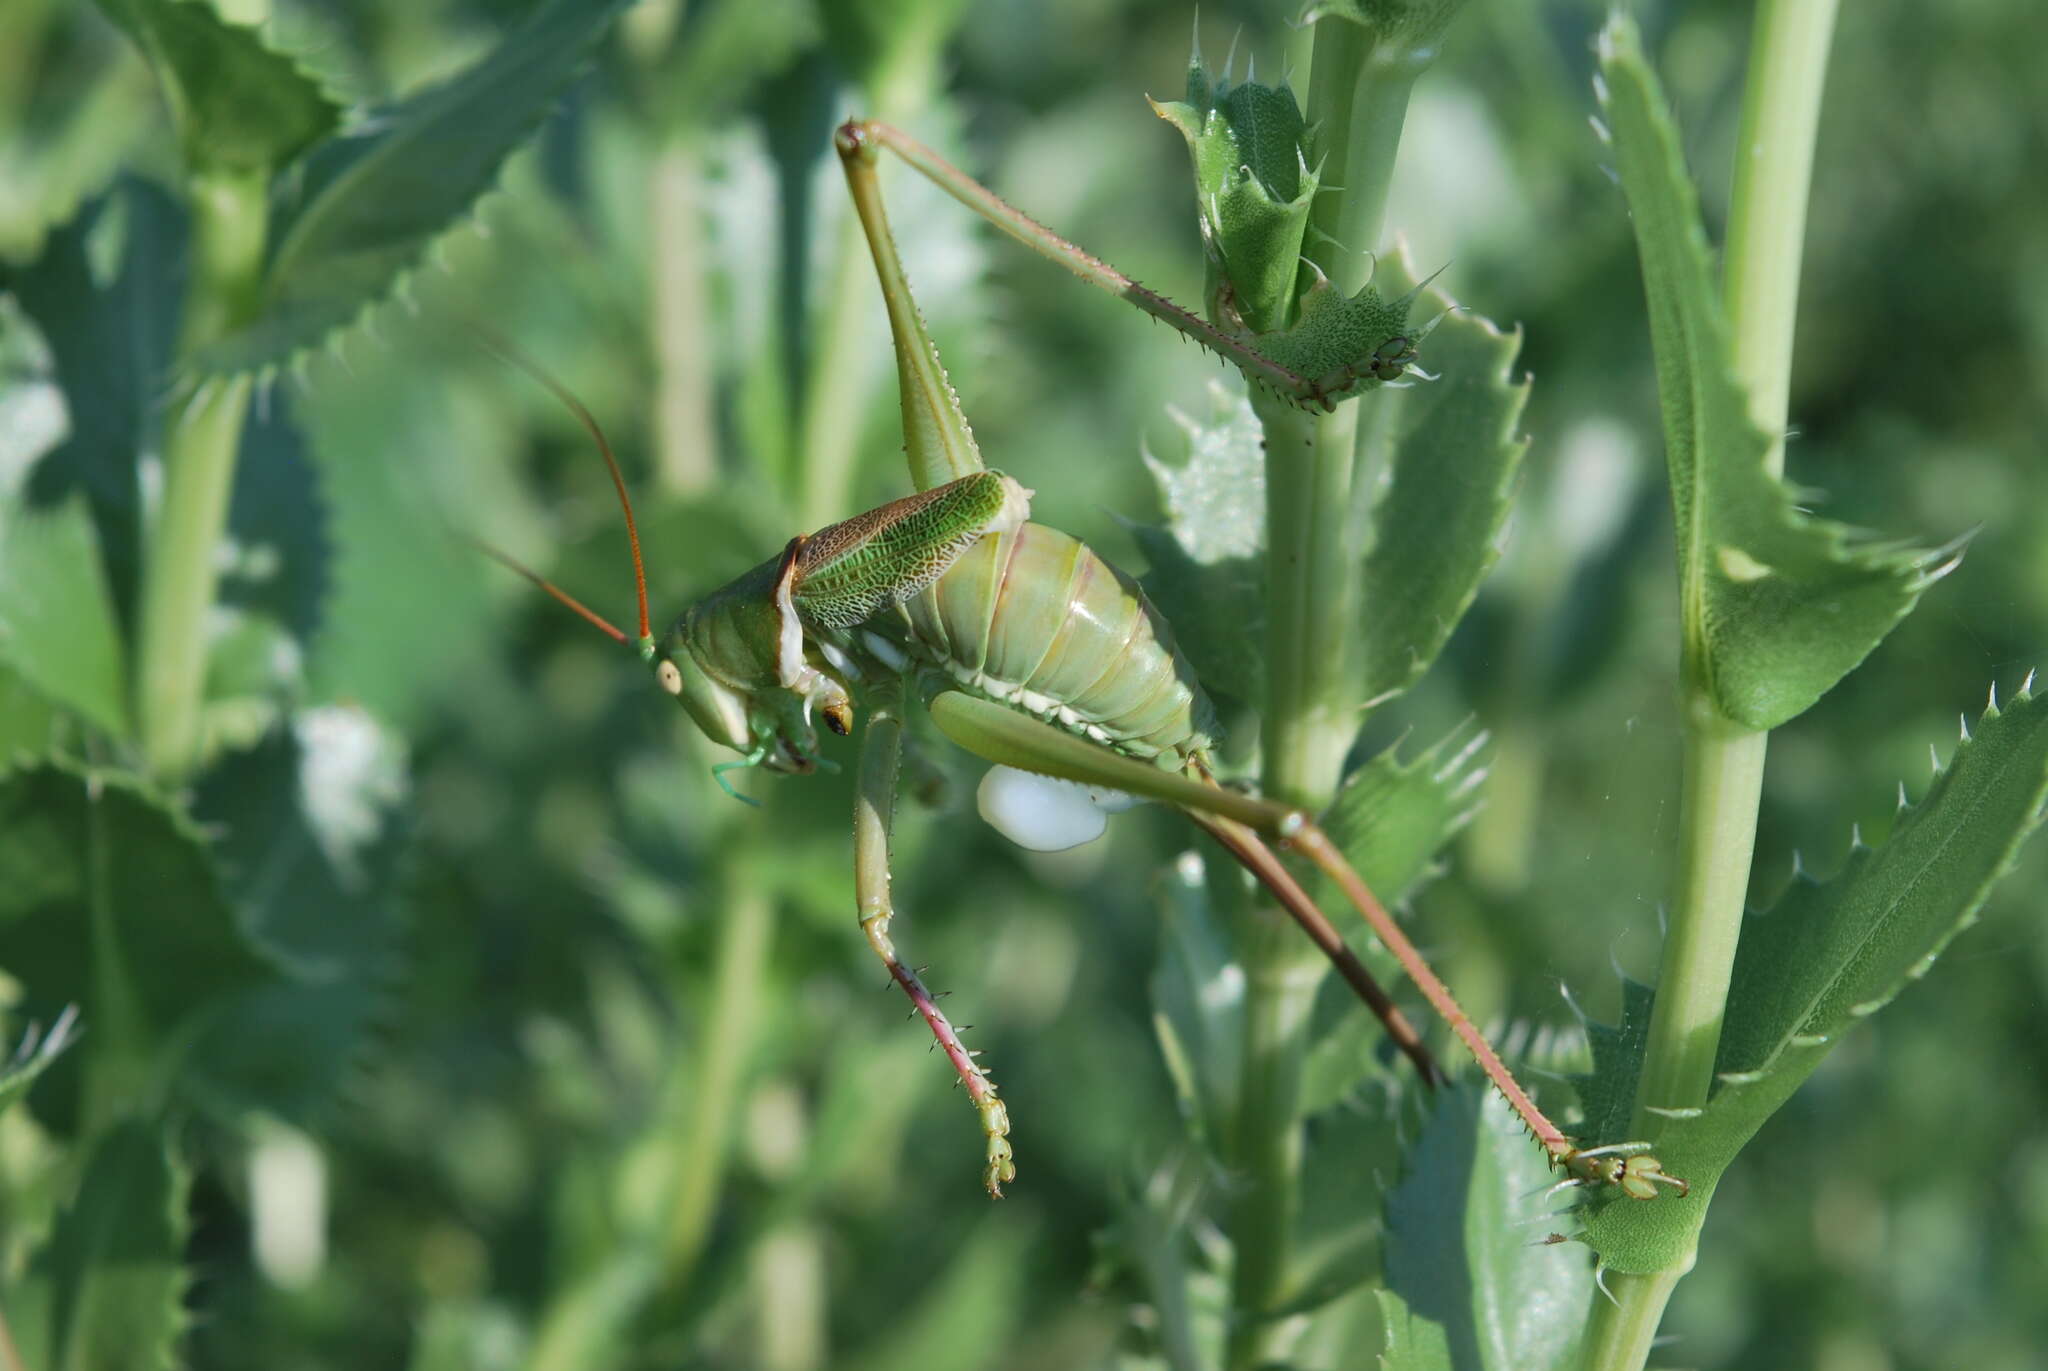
x=1035 y=620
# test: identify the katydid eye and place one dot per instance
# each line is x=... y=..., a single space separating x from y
x=670 y=675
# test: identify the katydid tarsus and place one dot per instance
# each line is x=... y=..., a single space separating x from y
x=1025 y=647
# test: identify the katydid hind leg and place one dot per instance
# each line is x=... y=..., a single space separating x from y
x=1003 y=735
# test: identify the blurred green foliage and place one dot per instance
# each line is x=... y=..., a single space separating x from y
x=501 y=1038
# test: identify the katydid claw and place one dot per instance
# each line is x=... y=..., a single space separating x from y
x=1628 y=1165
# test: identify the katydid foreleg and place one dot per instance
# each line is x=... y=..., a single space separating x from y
x=874 y=813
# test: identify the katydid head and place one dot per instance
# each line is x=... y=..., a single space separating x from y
x=735 y=697
x=715 y=664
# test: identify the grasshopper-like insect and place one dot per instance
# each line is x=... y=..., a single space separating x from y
x=1027 y=649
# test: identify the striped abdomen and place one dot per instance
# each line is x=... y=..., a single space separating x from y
x=1038 y=621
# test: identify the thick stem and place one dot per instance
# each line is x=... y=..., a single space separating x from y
x=1356 y=106
x=203 y=438
x=1722 y=782
x=1767 y=214
x=1724 y=765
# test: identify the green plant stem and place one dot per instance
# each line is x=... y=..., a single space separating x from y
x=117 y=1069
x=202 y=440
x=1722 y=781
x=1767 y=214
x=703 y=1106
x=686 y=438
x=1724 y=765
x=1357 y=103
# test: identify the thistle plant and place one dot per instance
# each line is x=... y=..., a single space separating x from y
x=386 y=983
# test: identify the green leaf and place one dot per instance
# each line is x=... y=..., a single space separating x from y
x=1413 y=1343
x=57 y=627
x=371 y=201
x=1353 y=1153
x=1777 y=605
x=1831 y=953
x=1465 y=1247
x=1254 y=186
x=1198 y=998
x=238 y=104
x=33 y=1055
x=109 y=900
x=1392 y=817
x=311 y=834
x=105 y=294
x=28 y=722
x=1208 y=566
x=114 y=1282
x=1607 y=1093
x=1453 y=458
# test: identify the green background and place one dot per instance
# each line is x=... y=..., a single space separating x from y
x=569 y=878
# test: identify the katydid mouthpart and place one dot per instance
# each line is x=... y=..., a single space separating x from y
x=1026 y=648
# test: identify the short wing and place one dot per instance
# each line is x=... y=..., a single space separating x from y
x=849 y=572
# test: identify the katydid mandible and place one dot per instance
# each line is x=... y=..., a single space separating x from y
x=1026 y=648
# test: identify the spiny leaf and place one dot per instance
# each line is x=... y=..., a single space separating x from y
x=1453 y=458
x=105 y=295
x=57 y=627
x=1254 y=186
x=34 y=1053
x=115 y=1286
x=1207 y=564
x=109 y=900
x=1777 y=605
x=370 y=202
x=1607 y=1093
x=1833 y=952
x=1464 y=1241
x=239 y=105
x=312 y=828
x=1198 y=1000
x=1392 y=817
x=1354 y=1153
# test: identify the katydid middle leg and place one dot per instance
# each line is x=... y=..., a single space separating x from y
x=874 y=815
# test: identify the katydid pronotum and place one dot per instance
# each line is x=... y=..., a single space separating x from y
x=1025 y=647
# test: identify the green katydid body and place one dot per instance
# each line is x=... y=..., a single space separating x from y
x=951 y=584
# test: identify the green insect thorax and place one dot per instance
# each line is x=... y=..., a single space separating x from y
x=744 y=660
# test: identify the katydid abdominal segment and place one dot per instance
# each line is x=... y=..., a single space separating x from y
x=1027 y=649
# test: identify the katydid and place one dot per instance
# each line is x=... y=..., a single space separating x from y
x=1025 y=647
